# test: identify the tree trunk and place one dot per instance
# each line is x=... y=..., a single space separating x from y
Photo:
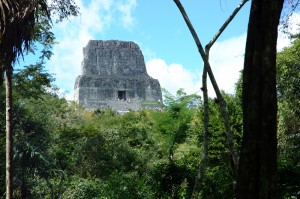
x=258 y=157
x=203 y=161
x=9 y=138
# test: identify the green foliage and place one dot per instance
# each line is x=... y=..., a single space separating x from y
x=128 y=186
x=218 y=176
x=75 y=153
x=31 y=82
x=179 y=114
x=80 y=188
x=172 y=180
x=288 y=76
x=288 y=85
x=218 y=181
x=64 y=151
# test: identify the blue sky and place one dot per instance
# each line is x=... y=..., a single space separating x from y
x=158 y=28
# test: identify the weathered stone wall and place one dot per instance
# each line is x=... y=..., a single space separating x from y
x=111 y=69
x=120 y=58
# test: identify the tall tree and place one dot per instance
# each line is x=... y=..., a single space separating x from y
x=258 y=157
x=16 y=25
x=19 y=22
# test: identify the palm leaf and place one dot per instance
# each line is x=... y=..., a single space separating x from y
x=17 y=24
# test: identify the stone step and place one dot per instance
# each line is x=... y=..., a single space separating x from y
x=124 y=105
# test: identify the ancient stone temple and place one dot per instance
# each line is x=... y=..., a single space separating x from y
x=114 y=75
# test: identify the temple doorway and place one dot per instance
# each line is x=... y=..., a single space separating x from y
x=122 y=95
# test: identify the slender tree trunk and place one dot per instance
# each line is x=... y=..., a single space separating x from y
x=9 y=138
x=258 y=158
x=203 y=161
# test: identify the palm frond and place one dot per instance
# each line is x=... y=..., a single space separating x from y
x=17 y=25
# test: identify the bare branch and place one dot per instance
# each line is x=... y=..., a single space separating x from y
x=200 y=49
x=192 y=30
x=209 y=45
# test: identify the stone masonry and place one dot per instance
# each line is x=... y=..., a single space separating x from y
x=114 y=75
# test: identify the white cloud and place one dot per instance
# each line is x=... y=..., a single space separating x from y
x=172 y=76
x=226 y=59
x=126 y=10
x=62 y=93
x=73 y=34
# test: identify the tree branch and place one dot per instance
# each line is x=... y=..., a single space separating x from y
x=212 y=41
x=200 y=49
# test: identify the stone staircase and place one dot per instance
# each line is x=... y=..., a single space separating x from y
x=124 y=106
